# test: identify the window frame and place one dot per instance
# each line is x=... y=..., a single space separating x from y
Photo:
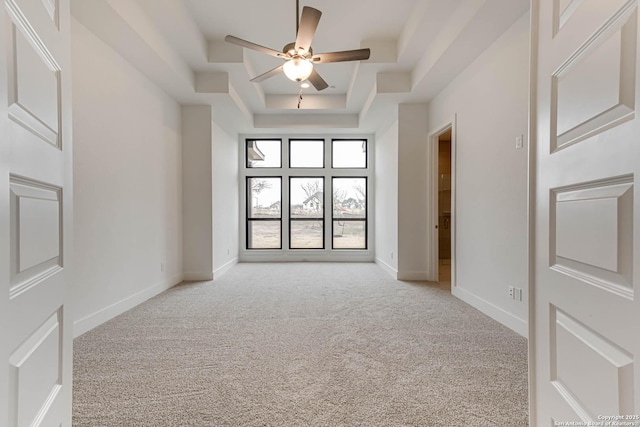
x=246 y=153
x=324 y=146
x=249 y=219
x=365 y=219
x=366 y=154
x=323 y=219
x=286 y=253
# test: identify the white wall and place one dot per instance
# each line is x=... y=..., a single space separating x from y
x=413 y=229
x=197 y=203
x=402 y=212
x=210 y=195
x=226 y=203
x=127 y=184
x=489 y=100
x=386 y=199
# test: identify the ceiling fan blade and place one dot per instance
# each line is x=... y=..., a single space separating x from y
x=268 y=74
x=257 y=47
x=346 y=55
x=317 y=81
x=308 y=24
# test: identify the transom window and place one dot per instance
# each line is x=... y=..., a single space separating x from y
x=306 y=153
x=264 y=153
x=349 y=153
x=306 y=195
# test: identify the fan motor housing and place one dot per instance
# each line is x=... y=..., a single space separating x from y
x=290 y=49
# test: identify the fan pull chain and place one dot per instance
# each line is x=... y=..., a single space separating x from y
x=300 y=97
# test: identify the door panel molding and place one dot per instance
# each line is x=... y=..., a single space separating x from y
x=574 y=116
x=36 y=373
x=581 y=358
x=590 y=233
x=36 y=233
x=27 y=87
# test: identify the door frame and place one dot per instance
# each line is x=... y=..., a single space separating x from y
x=432 y=155
x=531 y=209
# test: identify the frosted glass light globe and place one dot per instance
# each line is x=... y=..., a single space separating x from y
x=298 y=69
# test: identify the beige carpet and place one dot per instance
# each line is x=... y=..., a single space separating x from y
x=301 y=344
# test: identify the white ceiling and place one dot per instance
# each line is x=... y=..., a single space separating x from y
x=417 y=47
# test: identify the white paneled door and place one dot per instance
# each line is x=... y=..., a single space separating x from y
x=35 y=213
x=585 y=323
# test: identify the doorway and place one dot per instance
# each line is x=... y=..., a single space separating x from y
x=444 y=205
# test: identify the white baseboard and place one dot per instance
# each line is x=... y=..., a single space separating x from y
x=107 y=313
x=301 y=255
x=197 y=276
x=413 y=275
x=507 y=319
x=403 y=275
x=218 y=272
x=386 y=267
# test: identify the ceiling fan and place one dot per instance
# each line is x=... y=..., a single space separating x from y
x=298 y=56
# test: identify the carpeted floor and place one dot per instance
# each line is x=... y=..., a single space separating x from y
x=301 y=344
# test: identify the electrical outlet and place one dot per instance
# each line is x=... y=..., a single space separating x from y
x=162 y=267
x=519 y=142
x=512 y=292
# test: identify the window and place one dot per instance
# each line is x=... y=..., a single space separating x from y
x=306 y=196
x=264 y=153
x=349 y=153
x=264 y=213
x=349 y=213
x=306 y=210
x=306 y=153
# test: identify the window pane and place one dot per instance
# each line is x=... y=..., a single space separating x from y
x=349 y=197
x=307 y=234
x=264 y=198
x=264 y=153
x=349 y=154
x=349 y=235
x=306 y=154
x=264 y=235
x=306 y=197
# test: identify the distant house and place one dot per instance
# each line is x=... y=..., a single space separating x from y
x=275 y=206
x=314 y=202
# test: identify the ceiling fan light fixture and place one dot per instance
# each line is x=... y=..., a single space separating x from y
x=298 y=55
x=298 y=69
